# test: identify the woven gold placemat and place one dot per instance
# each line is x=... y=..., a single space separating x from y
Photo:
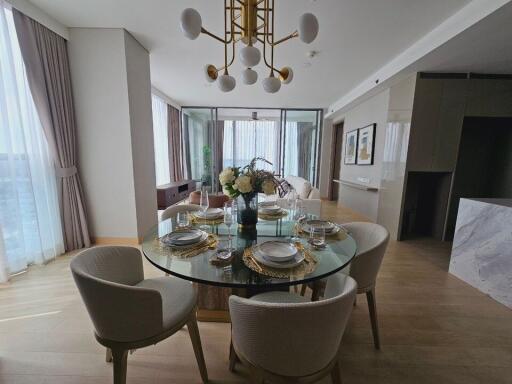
x=209 y=243
x=306 y=267
x=197 y=220
x=277 y=216
x=340 y=235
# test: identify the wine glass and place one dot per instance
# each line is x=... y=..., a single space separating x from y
x=291 y=200
x=182 y=219
x=204 y=203
x=228 y=219
x=298 y=215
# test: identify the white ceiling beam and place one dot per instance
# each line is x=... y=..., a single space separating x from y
x=447 y=30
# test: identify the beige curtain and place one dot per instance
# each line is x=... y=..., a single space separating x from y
x=219 y=148
x=175 y=152
x=46 y=60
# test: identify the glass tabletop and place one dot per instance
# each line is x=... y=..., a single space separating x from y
x=335 y=256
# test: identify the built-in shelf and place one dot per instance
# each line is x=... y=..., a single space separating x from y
x=358 y=186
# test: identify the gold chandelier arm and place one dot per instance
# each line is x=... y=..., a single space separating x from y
x=267 y=13
x=227 y=9
x=264 y=42
x=206 y=32
x=290 y=36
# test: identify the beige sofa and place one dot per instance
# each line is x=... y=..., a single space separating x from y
x=303 y=187
x=309 y=195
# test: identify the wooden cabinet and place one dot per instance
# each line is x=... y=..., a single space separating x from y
x=174 y=192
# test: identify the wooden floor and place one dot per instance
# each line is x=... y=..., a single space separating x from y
x=434 y=329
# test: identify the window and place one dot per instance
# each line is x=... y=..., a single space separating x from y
x=161 y=138
x=30 y=226
x=247 y=139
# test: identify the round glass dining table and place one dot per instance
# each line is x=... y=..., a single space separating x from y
x=337 y=254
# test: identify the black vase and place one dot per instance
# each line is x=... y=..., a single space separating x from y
x=247 y=210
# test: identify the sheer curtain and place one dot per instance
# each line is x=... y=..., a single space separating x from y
x=246 y=139
x=30 y=225
x=161 y=137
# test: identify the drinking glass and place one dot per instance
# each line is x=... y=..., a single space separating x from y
x=182 y=219
x=317 y=236
x=228 y=219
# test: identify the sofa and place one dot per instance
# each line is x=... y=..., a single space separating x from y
x=309 y=195
x=303 y=187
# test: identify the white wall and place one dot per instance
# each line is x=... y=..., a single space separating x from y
x=373 y=110
x=401 y=99
x=102 y=69
x=141 y=123
x=325 y=159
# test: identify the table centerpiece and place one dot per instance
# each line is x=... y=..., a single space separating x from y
x=243 y=185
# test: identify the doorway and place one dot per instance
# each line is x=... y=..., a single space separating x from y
x=337 y=147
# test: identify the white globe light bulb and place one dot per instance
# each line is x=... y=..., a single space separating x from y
x=308 y=28
x=249 y=76
x=271 y=84
x=286 y=75
x=250 y=56
x=191 y=23
x=226 y=83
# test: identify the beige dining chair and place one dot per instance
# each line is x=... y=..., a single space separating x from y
x=129 y=312
x=173 y=210
x=372 y=240
x=282 y=337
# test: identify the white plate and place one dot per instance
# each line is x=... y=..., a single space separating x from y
x=277 y=251
x=174 y=239
x=211 y=213
x=270 y=209
x=297 y=260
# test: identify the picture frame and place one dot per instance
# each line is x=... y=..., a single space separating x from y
x=366 y=145
x=351 y=141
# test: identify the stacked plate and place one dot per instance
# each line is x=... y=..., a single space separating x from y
x=210 y=214
x=270 y=209
x=309 y=226
x=277 y=254
x=184 y=238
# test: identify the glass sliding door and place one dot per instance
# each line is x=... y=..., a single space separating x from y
x=199 y=138
x=249 y=134
x=216 y=138
x=300 y=144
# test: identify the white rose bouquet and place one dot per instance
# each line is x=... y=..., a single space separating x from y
x=248 y=181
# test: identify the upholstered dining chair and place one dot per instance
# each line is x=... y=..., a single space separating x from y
x=129 y=312
x=282 y=337
x=173 y=210
x=372 y=240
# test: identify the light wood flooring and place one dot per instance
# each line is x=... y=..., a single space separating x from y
x=434 y=329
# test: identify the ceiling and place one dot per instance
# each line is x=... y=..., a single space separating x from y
x=356 y=38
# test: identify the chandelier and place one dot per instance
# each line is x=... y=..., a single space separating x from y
x=250 y=22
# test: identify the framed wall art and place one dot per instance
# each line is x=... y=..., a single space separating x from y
x=351 y=147
x=366 y=145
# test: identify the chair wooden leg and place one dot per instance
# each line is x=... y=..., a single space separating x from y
x=336 y=374
x=233 y=358
x=303 y=289
x=108 y=355
x=315 y=295
x=198 y=349
x=120 y=358
x=370 y=296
